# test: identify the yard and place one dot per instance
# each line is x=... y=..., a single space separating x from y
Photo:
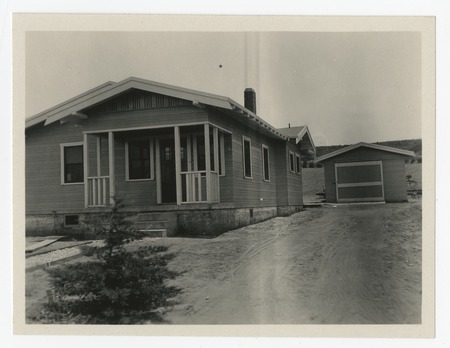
x=337 y=264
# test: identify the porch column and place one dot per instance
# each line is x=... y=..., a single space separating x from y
x=207 y=164
x=112 y=178
x=178 y=163
x=216 y=148
x=216 y=164
x=85 y=170
x=158 y=172
x=99 y=161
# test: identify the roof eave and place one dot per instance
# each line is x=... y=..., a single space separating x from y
x=108 y=90
x=405 y=153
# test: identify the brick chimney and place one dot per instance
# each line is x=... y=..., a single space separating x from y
x=250 y=99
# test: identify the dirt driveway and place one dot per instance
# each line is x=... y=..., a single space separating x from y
x=350 y=264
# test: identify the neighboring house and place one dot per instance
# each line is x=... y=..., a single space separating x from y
x=186 y=161
x=366 y=173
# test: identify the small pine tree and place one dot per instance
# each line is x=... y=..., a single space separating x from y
x=120 y=284
x=115 y=229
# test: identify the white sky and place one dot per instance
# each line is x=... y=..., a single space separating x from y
x=347 y=87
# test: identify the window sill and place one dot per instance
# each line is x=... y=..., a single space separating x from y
x=72 y=183
x=133 y=180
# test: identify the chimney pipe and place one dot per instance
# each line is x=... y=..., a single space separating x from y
x=250 y=99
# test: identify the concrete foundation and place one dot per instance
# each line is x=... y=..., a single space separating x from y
x=179 y=221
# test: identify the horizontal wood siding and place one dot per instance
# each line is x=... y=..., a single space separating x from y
x=104 y=154
x=294 y=180
x=144 y=118
x=226 y=181
x=394 y=176
x=254 y=192
x=44 y=192
x=92 y=157
x=282 y=157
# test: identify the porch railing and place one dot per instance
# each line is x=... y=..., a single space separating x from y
x=98 y=191
x=194 y=187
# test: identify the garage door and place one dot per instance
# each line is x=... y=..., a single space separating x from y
x=359 y=182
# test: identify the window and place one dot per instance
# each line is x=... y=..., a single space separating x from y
x=246 y=149
x=72 y=171
x=291 y=162
x=139 y=160
x=221 y=154
x=297 y=164
x=71 y=220
x=265 y=160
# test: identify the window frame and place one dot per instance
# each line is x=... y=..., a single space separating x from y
x=66 y=224
x=151 y=159
x=62 y=146
x=222 y=170
x=263 y=148
x=291 y=162
x=244 y=140
x=298 y=166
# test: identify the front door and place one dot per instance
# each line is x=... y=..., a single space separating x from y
x=168 y=179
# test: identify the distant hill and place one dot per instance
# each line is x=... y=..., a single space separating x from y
x=414 y=145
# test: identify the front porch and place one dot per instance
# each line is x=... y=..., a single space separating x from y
x=178 y=165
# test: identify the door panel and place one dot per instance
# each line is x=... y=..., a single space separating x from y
x=359 y=182
x=168 y=180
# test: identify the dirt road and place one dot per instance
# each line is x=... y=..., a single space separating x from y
x=350 y=264
x=358 y=264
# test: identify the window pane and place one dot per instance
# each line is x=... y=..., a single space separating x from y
x=247 y=161
x=266 y=163
x=73 y=164
x=139 y=160
x=73 y=154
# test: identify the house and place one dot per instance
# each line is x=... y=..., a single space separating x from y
x=365 y=173
x=185 y=161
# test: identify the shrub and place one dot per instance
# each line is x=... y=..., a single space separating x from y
x=128 y=284
x=114 y=228
x=120 y=284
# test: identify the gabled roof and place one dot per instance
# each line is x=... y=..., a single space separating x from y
x=300 y=134
x=42 y=116
x=370 y=146
x=110 y=89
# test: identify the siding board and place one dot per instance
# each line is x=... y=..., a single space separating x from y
x=144 y=118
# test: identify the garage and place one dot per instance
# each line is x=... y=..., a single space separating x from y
x=359 y=181
x=365 y=173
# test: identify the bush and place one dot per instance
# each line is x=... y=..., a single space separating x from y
x=128 y=284
x=121 y=284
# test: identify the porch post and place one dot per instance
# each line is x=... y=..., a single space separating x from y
x=177 y=164
x=85 y=170
x=216 y=163
x=189 y=178
x=207 y=164
x=158 y=172
x=112 y=178
x=99 y=163
x=216 y=148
